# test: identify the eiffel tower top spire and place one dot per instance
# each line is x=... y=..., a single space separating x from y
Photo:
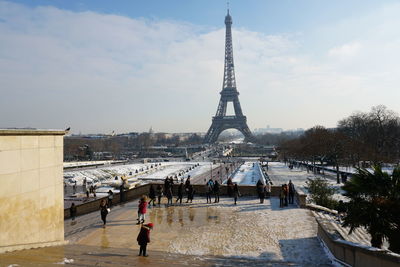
x=229 y=70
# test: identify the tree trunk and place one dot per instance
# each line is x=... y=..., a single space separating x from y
x=376 y=240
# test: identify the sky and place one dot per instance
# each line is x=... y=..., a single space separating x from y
x=100 y=66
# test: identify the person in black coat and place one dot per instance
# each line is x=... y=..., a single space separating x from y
x=103 y=211
x=230 y=185
x=180 y=193
x=291 y=192
x=143 y=238
x=159 y=193
x=216 y=191
x=72 y=211
x=190 y=194
x=260 y=191
x=236 y=192
x=152 y=196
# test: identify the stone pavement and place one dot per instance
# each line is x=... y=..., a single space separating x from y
x=198 y=234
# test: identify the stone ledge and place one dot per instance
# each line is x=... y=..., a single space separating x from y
x=31 y=132
x=32 y=245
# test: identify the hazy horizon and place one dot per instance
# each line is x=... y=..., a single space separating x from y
x=99 y=67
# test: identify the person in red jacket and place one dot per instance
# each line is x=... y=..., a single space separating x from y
x=144 y=238
x=142 y=209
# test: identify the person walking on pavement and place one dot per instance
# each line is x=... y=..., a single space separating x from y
x=229 y=184
x=159 y=194
x=152 y=196
x=104 y=211
x=216 y=191
x=143 y=238
x=169 y=196
x=267 y=190
x=209 y=190
x=260 y=190
x=291 y=192
x=281 y=196
x=286 y=191
x=142 y=209
x=180 y=193
x=190 y=194
x=236 y=192
x=110 y=198
x=72 y=211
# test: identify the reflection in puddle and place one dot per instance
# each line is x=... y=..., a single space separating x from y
x=180 y=216
x=212 y=215
x=192 y=213
x=104 y=239
x=170 y=215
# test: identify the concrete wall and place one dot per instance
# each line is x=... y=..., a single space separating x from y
x=31 y=189
x=354 y=255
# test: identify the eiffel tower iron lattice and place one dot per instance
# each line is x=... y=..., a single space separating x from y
x=220 y=121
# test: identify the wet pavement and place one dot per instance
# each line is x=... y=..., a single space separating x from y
x=198 y=234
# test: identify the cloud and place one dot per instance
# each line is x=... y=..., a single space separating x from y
x=345 y=51
x=103 y=72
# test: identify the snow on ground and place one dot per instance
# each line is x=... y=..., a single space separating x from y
x=106 y=174
x=85 y=163
x=280 y=174
x=248 y=174
x=253 y=230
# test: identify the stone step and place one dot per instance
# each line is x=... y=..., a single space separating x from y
x=79 y=255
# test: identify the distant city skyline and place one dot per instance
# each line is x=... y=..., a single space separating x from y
x=126 y=66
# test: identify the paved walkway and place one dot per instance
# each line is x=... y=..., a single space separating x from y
x=197 y=234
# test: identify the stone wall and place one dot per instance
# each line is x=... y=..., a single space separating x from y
x=356 y=255
x=31 y=189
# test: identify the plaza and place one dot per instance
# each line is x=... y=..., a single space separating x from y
x=200 y=234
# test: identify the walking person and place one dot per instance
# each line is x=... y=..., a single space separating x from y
x=72 y=212
x=180 y=193
x=142 y=209
x=187 y=183
x=230 y=185
x=291 y=192
x=143 y=238
x=152 y=196
x=260 y=191
x=281 y=196
x=191 y=193
x=236 y=192
x=286 y=191
x=110 y=198
x=168 y=194
x=159 y=194
x=121 y=194
x=267 y=190
x=104 y=211
x=216 y=191
x=209 y=190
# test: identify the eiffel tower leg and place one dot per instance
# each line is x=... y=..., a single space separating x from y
x=212 y=134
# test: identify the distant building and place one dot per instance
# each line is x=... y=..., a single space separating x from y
x=268 y=130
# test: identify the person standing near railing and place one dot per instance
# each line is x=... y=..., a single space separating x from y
x=236 y=192
x=291 y=192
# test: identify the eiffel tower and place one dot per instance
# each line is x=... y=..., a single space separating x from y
x=220 y=121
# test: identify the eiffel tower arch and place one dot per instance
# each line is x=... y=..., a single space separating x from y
x=229 y=93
